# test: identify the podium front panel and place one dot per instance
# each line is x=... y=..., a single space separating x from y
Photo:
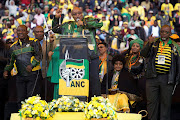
x=73 y=67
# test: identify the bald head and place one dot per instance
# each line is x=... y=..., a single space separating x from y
x=167 y=27
x=77 y=13
x=22 y=26
x=38 y=27
x=76 y=8
x=165 y=32
x=22 y=32
x=39 y=32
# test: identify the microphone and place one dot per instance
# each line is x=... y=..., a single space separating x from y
x=77 y=19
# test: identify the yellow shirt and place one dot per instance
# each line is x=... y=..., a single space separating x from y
x=70 y=5
x=177 y=7
x=19 y=21
x=140 y=10
x=151 y=22
x=167 y=8
x=61 y=6
x=105 y=26
x=114 y=44
x=9 y=32
x=124 y=10
x=131 y=11
x=67 y=20
x=166 y=52
x=99 y=16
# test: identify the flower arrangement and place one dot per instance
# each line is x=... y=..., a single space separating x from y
x=67 y=104
x=34 y=107
x=100 y=107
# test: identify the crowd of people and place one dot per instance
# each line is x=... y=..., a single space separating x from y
x=134 y=53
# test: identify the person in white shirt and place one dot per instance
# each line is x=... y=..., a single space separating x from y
x=40 y=18
x=146 y=29
x=154 y=30
x=12 y=7
x=33 y=23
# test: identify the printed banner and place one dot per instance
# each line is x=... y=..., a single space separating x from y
x=74 y=76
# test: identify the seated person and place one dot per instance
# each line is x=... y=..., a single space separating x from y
x=120 y=101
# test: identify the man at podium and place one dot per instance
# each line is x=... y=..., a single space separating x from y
x=81 y=26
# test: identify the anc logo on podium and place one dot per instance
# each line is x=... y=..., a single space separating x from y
x=71 y=69
x=73 y=76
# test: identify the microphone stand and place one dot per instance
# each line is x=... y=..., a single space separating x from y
x=108 y=46
x=46 y=35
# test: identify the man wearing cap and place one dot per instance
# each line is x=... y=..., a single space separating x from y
x=162 y=72
x=150 y=19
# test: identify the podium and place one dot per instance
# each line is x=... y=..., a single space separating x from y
x=75 y=57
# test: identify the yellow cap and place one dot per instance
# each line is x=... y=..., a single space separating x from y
x=9 y=37
x=97 y=37
x=174 y=36
x=61 y=1
x=125 y=23
x=4 y=31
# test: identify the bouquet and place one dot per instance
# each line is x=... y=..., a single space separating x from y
x=67 y=104
x=100 y=107
x=34 y=107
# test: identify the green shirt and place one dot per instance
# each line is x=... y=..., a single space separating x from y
x=89 y=27
x=53 y=69
x=169 y=42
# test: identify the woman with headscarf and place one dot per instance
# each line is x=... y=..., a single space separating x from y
x=135 y=62
x=135 y=65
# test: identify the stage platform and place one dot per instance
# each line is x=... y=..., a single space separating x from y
x=81 y=116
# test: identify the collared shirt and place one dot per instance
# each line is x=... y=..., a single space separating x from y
x=166 y=52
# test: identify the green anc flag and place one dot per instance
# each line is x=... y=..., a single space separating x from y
x=74 y=77
x=73 y=63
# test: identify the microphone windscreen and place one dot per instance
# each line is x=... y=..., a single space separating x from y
x=77 y=19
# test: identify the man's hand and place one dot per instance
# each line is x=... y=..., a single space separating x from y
x=151 y=39
x=58 y=13
x=50 y=54
x=104 y=95
x=29 y=68
x=80 y=23
x=5 y=74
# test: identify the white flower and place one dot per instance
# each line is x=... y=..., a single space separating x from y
x=46 y=112
x=34 y=112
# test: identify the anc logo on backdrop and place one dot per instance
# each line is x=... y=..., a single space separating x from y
x=74 y=76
